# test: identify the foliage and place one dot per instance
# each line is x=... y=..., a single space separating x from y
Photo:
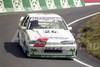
x=91 y=36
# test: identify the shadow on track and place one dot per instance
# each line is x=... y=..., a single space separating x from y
x=15 y=49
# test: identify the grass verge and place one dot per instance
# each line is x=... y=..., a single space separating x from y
x=90 y=37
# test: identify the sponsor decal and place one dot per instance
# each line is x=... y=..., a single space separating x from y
x=77 y=3
x=34 y=51
x=45 y=18
x=35 y=5
x=2 y=8
x=31 y=5
x=50 y=31
x=64 y=3
x=50 y=4
x=45 y=39
x=58 y=38
x=53 y=56
x=72 y=50
x=17 y=5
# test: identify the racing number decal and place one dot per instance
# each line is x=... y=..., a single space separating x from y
x=64 y=3
x=17 y=5
x=2 y=8
x=52 y=31
x=50 y=4
x=35 y=4
x=77 y=3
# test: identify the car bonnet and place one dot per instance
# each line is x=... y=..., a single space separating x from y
x=52 y=35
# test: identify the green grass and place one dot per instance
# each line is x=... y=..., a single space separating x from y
x=91 y=36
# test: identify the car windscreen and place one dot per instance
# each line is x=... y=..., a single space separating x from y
x=47 y=23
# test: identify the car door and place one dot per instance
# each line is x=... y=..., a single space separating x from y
x=23 y=28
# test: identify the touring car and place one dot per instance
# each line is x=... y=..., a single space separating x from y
x=46 y=35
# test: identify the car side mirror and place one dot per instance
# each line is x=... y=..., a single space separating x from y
x=69 y=28
x=21 y=18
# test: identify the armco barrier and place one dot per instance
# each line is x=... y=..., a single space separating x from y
x=7 y=6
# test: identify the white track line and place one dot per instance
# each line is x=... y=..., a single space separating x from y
x=83 y=18
x=76 y=22
x=87 y=65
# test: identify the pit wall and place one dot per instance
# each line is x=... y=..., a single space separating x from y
x=7 y=6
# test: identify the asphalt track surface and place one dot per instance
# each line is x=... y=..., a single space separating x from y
x=11 y=54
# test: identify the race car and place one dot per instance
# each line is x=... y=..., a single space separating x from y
x=46 y=35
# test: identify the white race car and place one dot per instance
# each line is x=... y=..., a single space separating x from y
x=43 y=35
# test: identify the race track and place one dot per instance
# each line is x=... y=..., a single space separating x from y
x=11 y=54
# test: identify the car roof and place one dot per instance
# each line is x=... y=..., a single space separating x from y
x=43 y=15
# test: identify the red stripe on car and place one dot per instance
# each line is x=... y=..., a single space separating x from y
x=45 y=39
